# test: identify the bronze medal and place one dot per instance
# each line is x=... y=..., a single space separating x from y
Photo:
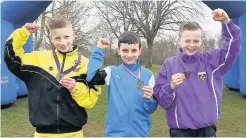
x=186 y=74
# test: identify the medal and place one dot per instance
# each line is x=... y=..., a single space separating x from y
x=139 y=83
x=186 y=74
x=59 y=76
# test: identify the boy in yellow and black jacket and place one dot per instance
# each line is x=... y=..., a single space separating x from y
x=58 y=92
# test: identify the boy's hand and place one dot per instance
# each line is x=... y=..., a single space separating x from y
x=147 y=92
x=177 y=79
x=31 y=27
x=103 y=43
x=220 y=15
x=68 y=83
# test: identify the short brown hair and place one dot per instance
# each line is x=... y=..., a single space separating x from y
x=129 y=37
x=58 y=22
x=189 y=26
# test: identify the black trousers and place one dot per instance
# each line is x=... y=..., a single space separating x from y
x=202 y=132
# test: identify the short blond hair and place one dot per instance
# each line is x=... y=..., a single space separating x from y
x=191 y=26
x=58 y=22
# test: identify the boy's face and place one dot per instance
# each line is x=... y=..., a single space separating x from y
x=62 y=38
x=190 y=41
x=129 y=52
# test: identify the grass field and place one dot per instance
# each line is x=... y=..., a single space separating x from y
x=15 y=123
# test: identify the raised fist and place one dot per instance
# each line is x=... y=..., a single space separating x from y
x=31 y=27
x=103 y=43
x=220 y=15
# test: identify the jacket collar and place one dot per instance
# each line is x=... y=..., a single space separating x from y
x=188 y=58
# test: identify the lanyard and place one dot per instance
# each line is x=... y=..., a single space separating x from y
x=61 y=73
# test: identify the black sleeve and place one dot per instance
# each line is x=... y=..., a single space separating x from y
x=12 y=61
x=98 y=79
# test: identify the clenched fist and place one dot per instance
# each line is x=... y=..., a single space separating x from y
x=220 y=15
x=31 y=27
x=103 y=43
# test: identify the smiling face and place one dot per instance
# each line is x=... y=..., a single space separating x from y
x=63 y=38
x=129 y=47
x=129 y=52
x=190 y=38
x=191 y=41
x=61 y=33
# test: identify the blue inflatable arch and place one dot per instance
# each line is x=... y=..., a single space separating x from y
x=236 y=76
x=14 y=14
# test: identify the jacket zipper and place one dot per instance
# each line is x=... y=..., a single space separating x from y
x=58 y=95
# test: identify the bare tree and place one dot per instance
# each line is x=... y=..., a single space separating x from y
x=114 y=14
x=38 y=42
x=76 y=11
x=149 y=17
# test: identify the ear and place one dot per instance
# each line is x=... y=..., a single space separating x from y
x=179 y=42
x=50 y=37
x=141 y=50
x=118 y=50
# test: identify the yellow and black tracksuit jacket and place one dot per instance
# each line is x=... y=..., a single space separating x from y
x=52 y=108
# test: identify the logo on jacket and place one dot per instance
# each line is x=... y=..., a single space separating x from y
x=77 y=69
x=75 y=62
x=202 y=76
x=50 y=68
x=117 y=76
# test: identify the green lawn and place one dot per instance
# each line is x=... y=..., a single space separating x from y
x=15 y=122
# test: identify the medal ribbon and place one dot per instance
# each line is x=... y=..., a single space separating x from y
x=191 y=70
x=139 y=73
x=68 y=70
